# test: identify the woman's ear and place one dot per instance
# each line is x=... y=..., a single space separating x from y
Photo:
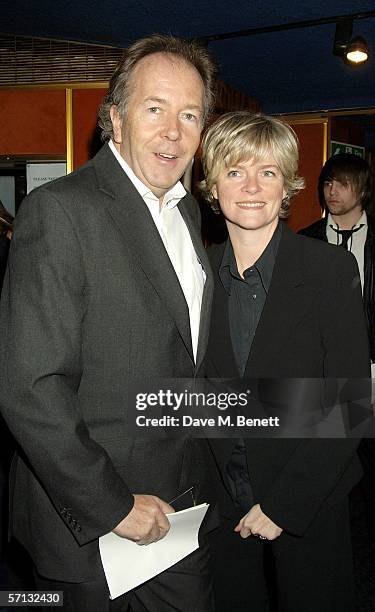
x=214 y=192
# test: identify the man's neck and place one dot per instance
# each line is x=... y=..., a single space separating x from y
x=349 y=220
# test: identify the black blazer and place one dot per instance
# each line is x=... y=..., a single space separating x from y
x=319 y=230
x=312 y=325
x=4 y=249
x=91 y=302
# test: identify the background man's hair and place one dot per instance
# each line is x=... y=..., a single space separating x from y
x=351 y=169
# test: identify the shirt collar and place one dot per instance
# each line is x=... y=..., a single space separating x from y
x=264 y=265
x=361 y=221
x=171 y=198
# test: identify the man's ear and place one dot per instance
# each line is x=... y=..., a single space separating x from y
x=116 y=124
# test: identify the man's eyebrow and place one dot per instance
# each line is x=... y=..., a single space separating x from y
x=154 y=99
x=163 y=101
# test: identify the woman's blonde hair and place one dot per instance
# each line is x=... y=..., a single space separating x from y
x=242 y=135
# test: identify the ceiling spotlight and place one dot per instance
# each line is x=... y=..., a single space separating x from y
x=357 y=51
x=352 y=50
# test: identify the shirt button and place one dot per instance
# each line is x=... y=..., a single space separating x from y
x=254 y=296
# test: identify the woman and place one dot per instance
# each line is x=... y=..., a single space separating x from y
x=284 y=307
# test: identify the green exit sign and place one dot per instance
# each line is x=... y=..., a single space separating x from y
x=344 y=147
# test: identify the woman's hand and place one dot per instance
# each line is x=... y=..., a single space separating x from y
x=256 y=523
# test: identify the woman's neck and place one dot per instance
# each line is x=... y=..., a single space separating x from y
x=248 y=245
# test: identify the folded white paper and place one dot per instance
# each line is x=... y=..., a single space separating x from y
x=127 y=565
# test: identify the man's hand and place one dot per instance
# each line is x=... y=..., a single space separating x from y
x=256 y=523
x=146 y=522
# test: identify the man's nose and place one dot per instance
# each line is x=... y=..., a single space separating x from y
x=171 y=128
x=332 y=188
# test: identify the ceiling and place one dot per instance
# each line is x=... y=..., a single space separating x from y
x=287 y=71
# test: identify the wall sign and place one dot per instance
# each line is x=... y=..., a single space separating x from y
x=39 y=173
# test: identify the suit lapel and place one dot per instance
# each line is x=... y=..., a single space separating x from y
x=221 y=353
x=132 y=216
x=283 y=307
x=186 y=207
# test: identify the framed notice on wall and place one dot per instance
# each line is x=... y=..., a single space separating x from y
x=38 y=173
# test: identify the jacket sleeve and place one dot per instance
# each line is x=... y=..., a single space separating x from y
x=42 y=314
x=315 y=469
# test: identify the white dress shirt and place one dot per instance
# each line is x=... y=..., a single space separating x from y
x=356 y=243
x=177 y=241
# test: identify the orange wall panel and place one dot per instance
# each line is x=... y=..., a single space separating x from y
x=305 y=205
x=33 y=122
x=86 y=139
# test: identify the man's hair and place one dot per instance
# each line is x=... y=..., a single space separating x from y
x=348 y=169
x=120 y=86
x=243 y=135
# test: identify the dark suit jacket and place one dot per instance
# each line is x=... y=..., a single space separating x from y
x=4 y=249
x=319 y=230
x=304 y=331
x=91 y=302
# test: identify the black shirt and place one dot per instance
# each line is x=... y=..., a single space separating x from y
x=246 y=300
x=247 y=295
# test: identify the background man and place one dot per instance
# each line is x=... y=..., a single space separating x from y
x=345 y=190
x=345 y=195
x=107 y=282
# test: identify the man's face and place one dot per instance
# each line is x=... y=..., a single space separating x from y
x=160 y=132
x=340 y=198
x=250 y=194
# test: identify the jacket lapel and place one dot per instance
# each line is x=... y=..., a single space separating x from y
x=186 y=206
x=134 y=220
x=222 y=363
x=283 y=308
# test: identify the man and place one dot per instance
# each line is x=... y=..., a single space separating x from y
x=345 y=194
x=345 y=189
x=108 y=282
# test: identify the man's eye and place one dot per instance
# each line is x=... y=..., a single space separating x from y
x=153 y=109
x=190 y=116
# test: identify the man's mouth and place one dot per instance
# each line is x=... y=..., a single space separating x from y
x=166 y=156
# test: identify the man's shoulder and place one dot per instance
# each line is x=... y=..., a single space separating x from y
x=83 y=178
x=315 y=230
x=319 y=259
x=84 y=189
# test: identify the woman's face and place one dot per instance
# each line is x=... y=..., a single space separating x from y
x=250 y=193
